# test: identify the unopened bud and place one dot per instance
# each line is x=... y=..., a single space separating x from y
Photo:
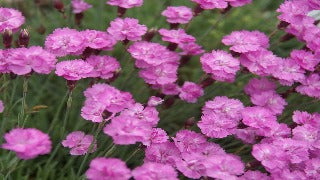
x=172 y=46
x=24 y=38
x=197 y=10
x=283 y=25
x=121 y=11
x=174 y=25
x=150 y=34
x=78 y=18
x=7 y=38
x=58 y=4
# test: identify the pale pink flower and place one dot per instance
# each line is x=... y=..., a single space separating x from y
x=79 y=6
x=10 y=19
x=246 y=41
x=126 y=29
x=27 y=143
x=190 y=92
x=220 y=65
x=157 y=171
x=302 y=117
x=74 y=70
x=125 y=3
x=108 y=168
x=79 y=143
x=104 y=67
x=178 y=14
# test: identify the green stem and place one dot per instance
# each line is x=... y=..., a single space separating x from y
x=69 y=104
x=56 y=117
x=23 y=104
x=132 y=154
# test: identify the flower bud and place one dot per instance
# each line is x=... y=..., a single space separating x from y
x=150 y=34
x=78 y=18
x=58 y=4
x=7 y=38
x=24 y=38
x=121 y=11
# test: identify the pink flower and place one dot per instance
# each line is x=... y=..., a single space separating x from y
x=149 y=54
x=79 y=143
x=165 y=153
x=157 y=136
x=125 y=3
x=312 y=168
x=126 y=29
x=288 y=72
x=64 y=42
x=3 y=61
x=212 y=4
x=306 y=133
x=104 y=67
x=101 y=98
x=247 y=135
x=312 y=38
x=151 y=170
x=27 y=143
x=23 y=61
x=74 y=70
x=293 y=11
x=191 y=49
x=189 y=141
x=270 y=100
x=170 y=89
x=238 y=3
x=302 y=29
x=246 y=41
x=154 y=101
x=161 y=74
x=314 y=4
x=310 y=86
x=108 y=168
x=254 y=175
x=302 y=117
x=190 y=92
x=192 y=166
x=1 y=106
x=10 y=19
x=306 y=59
x=98 y=39
x=178 y=14
x=220 y=65
x=256 y=85
x=178 y=36
x=261 y=62
x=79 y=6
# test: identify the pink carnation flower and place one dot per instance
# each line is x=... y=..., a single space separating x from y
x=247 y=135
x=98 y=39
x=149 y=54
x=190 y=92
x=312 y=168
x=79 y=143
x=302 y=29
x=170 y=89
x=212 y=4
x=254 y=175
x=108 y=168
x=157 y=136
x=1 y=106
x=220 y=65
x=27 y=143
x=10 y=19
x=126 y=29
x=189 y=141
x=256 y=85
x=312 y=38
x=161 y=74
x=270 y=100
x=178 y=36
x=23 y=61
x=302 y=117
x=261 y=62
x=191 y=49
x=238 y=3
x=314 y=4
x=306 y=59
x=165 y=153
x=192 y=166
x=154 y=101
x=101 y=98
x=125 y=3
x=154 y=171
x=293 y=11
x=178 y=14
x=246 y=41
x=80 y=6
x=64 y=42
x=74 y=70
x=310 y=86
x=3 y=61
x=104 y=67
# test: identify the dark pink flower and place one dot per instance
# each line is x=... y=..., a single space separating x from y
x=190 y=92
x=306 y=59
x=191 y=48
x=189 y=141
x=238 y=3
x=293 y=11
x=254 y=175
x=126 y=29
x=108 y=168
x=161 y=74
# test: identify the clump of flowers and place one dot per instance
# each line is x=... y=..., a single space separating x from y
x=28 y=143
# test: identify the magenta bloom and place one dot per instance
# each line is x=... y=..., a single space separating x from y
x=302 y=117
x=220 y=65
x=10 y=19
x=149 y=54
x=238 y=3
x=161 y=74
x=306 y=59
x=170 y=89
x=192 y=166
x=101 y=98
x=212 y=4
x=154 y=101
x=178 y=14
x=27 y=143
x=108 y=168
x=74 y=70
x=314 y=4
x=189 y=141
x=157 y=136
x=151 y=170
x=104 y=67
x=293 y=11
x=127 y=29
x=79 y=143
x=247 y=135
x=1 y=106
x=246 y=41
x=64 y=42
x=312 y=168
x=3 y=61
x=80 y=6
x=178 y=36
x=125 y=3
x=165 y=153
x=262 y=62
x=270 y=100
x=190 y=92
x=254 y=175
x=310 y=86
x=22 y=61
x=256 y=85
x=98 y=39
